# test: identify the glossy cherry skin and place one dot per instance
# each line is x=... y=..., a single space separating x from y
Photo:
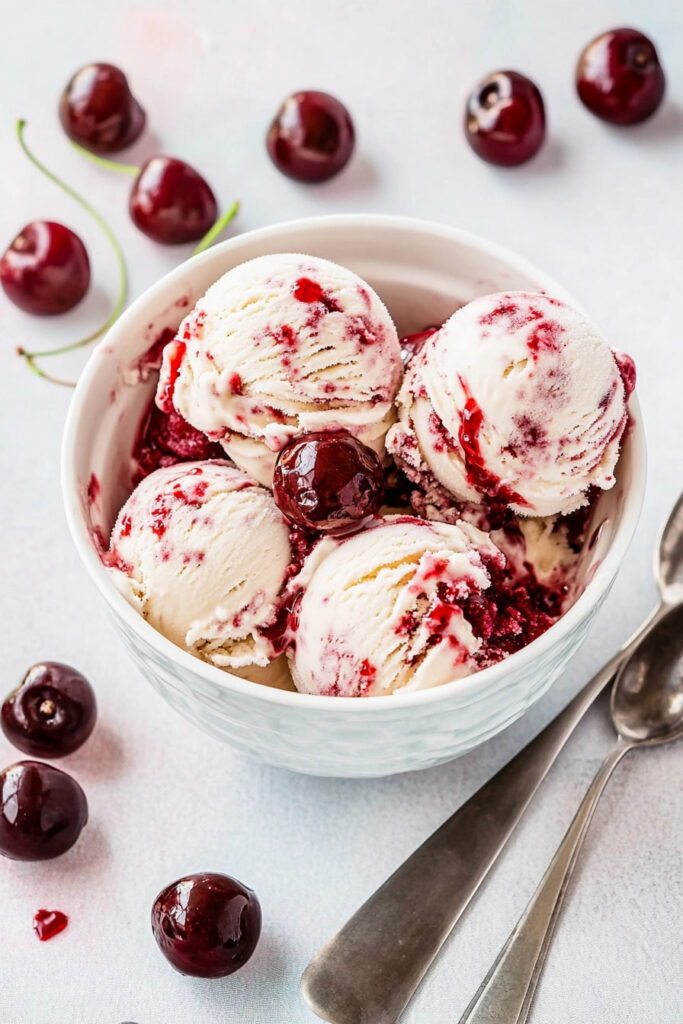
x=51 y=713
x=329 y=482
x=311 y=137
x=42 y=811
x=505 y=119
x=207 y=925
x=98 y=110
x=171 y=202
x=619 y=77
x=46 y=269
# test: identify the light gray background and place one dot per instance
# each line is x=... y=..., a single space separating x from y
x=601 y=210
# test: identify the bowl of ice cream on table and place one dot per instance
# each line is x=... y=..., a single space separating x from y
x=354 y=488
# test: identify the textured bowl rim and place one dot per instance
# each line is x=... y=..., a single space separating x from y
x=471 y=687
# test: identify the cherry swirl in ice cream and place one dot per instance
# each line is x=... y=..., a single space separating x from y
x=491 y=450
x=281 y=346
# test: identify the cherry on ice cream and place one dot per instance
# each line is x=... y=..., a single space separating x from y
x=328 y=481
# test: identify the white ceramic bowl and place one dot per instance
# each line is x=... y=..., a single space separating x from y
x=423 y=272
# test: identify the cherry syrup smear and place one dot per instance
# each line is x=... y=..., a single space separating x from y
x=281 y=631
x=309 y=291
x=478 y=476
x=165 y=439
x=627 y=370
x=150 y=360
x=48 y=923
x=93 y=489
x=176 y=351
x=411 y=344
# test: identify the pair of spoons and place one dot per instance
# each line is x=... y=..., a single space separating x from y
x=368 y=972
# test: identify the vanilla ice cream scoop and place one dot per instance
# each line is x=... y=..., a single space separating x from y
x=279 y=346
x=202 y=552
x=396 y=607
x=516 y=400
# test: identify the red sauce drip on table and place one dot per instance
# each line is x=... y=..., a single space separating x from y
x=48 y=923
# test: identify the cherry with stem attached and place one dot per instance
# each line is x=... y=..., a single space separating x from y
x=31 y=357
x=170 y=202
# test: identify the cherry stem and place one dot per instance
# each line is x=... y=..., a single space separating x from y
x=109 y=165
x=215 y=231
x=32 y=365
x=120 y=263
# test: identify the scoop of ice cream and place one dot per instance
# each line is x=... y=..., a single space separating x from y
x=279 y=346
x=517 y=400
x=202 y=552
x=396 y=607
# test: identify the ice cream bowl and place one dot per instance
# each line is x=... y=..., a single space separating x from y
x=423 y=272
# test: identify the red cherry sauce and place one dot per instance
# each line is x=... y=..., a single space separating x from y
x=48 y=923
x=306 y=290
x=176 y=351
x=478 y=476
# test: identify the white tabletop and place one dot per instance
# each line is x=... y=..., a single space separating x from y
x=601 y=210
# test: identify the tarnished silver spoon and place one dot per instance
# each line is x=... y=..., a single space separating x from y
x=368 y=972
x=646 y=706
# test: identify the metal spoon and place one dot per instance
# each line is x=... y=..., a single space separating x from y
x=368 y=972
x=646 y=706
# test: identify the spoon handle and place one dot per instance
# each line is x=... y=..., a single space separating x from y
x=370 y=969
x=508 y=989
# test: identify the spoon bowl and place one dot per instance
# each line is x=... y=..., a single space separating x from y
x=646 y=703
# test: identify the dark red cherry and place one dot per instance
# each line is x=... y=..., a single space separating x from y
x=328 y=482
x=311 y=137
x=45 y=270
x=619 y=77
x=171 y=202
x=42 y=811
x=51 y=713
x=207 y=925
x=505 y=119
x=411 y=344
x=98 y=110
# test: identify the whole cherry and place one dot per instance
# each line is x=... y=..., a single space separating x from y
x=171 y=202
x=51 y=713
x=619 y=77
x=311 y=138
x=42 y=811
x=45 y=270
x=32 y=290
x=329 y=482
x=505 y=119
x=98 y=110
x=207 y=925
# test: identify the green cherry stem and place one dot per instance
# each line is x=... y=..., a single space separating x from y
x=109 y=165
x=118 y=254
x=213 y=232
x=33 y=366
